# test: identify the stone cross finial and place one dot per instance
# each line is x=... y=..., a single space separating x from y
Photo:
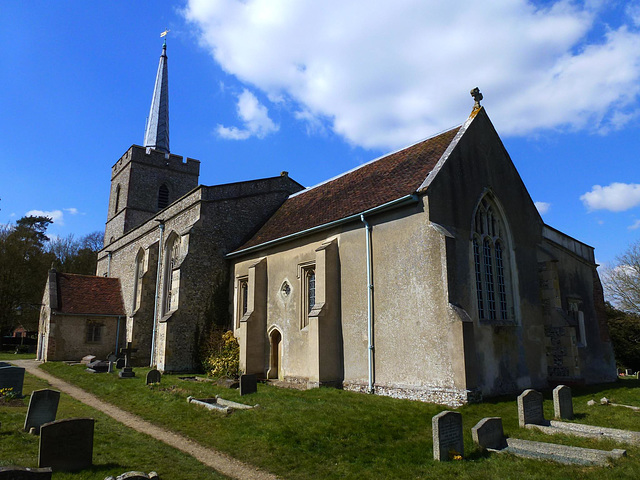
x=477 y=96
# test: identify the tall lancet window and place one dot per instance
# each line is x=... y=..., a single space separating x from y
x=171 y=274
x=491 y=262
x=139 y=272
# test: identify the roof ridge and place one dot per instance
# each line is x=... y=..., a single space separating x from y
x=381 y=157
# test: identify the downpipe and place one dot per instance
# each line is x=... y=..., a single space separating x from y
x=369 y=302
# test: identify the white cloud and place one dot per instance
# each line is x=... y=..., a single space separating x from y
x=56 y=215
x=635 y=225
x=385 y=74
x=71 y=211
x=543 y=207
x=254 y=116
x=616 y=197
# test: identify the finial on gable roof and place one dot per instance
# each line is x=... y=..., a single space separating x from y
x=477 y=96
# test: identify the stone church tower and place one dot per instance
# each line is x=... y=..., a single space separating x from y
x=148 y=179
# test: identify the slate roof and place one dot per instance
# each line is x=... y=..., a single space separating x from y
x=373 y=184
x=84 y=294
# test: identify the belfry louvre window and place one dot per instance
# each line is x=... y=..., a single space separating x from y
x=491 y=263
x=163 y=196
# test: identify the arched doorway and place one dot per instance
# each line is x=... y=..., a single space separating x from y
x=275 y=356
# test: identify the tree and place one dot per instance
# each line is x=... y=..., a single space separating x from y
x=624 y=329
x=76 y=256
x=25 y=263
x=622 y=280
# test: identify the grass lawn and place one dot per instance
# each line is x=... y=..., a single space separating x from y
x=7 y=356
x=117 y=449
x=328 y=433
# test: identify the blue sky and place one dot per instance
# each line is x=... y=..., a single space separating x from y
x=317 y=88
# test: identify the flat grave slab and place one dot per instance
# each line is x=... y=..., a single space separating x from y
x=590 y=431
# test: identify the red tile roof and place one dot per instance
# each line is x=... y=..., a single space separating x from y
x=84 y=294
x=373 y=184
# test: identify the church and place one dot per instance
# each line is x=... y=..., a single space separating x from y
x=427 y=273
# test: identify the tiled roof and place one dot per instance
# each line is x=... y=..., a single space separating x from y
x=84 y=294
x=373 y=184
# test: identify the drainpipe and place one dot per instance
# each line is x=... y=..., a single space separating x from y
x=109 y=264
x=155 y=303
x=369 y=302
x=117 y=333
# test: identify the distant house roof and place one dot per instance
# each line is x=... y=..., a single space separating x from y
x=87 y=295
x=373 y=184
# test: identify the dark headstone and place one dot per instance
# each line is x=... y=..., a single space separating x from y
x=154 y=376
x=12 y=377
x=25 y=473
x=127 y=371
x=248 y=384
x=67 y=444
x=447 y=435
x=530 y=408
x=98 y=366
x=120 y=363
x=6 y=364
x=43 y=406
x=562 y=403
x=488 y=433
x=112 y=357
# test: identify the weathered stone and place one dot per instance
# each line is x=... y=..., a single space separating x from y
x=43 y=406
x=562 y=403
x=120 y=363
x=447 y=435
x=25 y=473
x=12 y=377
x=98 y=366
x=530 y=409
x=154 y=376
x=135 y=476
x=67 y=444
x=604 y=401
x=87 y=359
x=591 y=403
x=210 y=404
x=488 y=433
x=248 y=384
x=561 y=453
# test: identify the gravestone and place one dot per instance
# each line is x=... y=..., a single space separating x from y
x=562 y=403
x=488 y=433
x=24 y=473
x=154 y=376
x=120 y=363
x=248 y=384
x=43 y=406
x=87 y=359
x=135 y=476
x=67 y=444
x=12 y=377
x=98 y=366
x=530 y=408
x=127 y=371
x=5 y=364
x=447 y=435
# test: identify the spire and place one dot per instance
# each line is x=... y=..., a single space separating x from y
x=156 y=134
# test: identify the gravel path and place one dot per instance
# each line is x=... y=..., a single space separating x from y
x=210 y=457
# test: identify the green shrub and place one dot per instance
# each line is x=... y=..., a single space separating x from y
x=222 y=354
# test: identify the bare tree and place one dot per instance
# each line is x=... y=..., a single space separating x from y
x=622 y=280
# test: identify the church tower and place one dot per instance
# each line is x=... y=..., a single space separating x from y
x=148 y=179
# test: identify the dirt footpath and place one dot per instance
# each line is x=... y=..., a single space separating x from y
x=212 y=458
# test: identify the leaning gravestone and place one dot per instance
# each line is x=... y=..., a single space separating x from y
x=24 y=473
x=13 y=378
x=67 y=444
x=562 y=403
x=98 y=366
x=248 y=384
x=43 y=406
x=154 y=376
x=447 y=435
x=530 y=408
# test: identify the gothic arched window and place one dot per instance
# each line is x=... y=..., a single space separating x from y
x=137 y=281
x=172 y=253
x=491 y=263
x=163 y=196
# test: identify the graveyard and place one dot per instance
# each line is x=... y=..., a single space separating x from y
x=326 y=433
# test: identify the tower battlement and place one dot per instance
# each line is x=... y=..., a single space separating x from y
x=156 y=158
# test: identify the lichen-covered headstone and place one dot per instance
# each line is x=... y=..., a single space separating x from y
x=447 y=436
x=67 y=444
x=530 y=408
x=562 y=403
x=43 y=406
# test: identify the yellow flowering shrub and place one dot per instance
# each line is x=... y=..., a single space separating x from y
x=222 y=357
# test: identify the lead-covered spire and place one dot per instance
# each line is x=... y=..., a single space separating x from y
x=156 y=134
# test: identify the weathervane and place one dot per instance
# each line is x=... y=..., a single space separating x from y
x=164 y=34
x=477 y=96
